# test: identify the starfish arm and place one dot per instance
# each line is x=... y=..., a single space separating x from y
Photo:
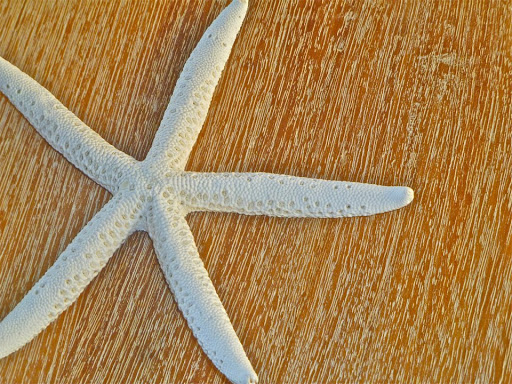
x=288 y=196
x=80 y=262
x=65 y=132
x=195 y=294
x=194 y=89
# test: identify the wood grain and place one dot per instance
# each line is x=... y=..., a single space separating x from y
x=415 y=93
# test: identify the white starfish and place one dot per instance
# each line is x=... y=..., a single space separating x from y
x=156 y=194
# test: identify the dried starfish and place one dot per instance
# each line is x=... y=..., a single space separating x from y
x=156 y=194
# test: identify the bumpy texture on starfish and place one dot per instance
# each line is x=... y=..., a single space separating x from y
x=156 y=194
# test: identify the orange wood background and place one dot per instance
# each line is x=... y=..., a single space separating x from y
x=415 y=93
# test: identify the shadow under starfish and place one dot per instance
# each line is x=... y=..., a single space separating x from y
x=156 y=194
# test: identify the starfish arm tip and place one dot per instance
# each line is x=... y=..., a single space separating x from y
x=246 y=377
x=403 y=196
x=370 y=199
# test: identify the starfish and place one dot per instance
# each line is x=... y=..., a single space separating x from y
x=156 y=194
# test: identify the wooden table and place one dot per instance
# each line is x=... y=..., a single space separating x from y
x=414 y=93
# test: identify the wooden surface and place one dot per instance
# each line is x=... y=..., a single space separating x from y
x=416 y=93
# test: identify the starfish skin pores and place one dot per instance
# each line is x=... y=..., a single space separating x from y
x=156 y=194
